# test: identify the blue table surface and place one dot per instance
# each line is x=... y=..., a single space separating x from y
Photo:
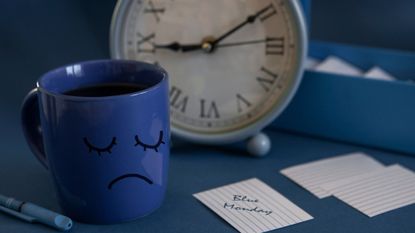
x=195 y=168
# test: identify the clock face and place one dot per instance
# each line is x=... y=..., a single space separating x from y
x=232 y=63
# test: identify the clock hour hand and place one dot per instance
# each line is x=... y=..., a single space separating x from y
x=177 y=47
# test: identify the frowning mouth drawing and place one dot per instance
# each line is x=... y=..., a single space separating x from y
x=130 y=175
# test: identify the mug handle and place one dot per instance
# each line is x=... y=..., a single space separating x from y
x=32 y=130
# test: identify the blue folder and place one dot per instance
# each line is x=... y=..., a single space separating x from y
x=364 y=111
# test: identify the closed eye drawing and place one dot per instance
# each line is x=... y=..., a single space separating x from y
x=146 y=146
x=100 y=150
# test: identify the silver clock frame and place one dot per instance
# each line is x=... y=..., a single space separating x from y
x=238 y=134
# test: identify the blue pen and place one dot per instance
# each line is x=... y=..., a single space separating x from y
x=33 y=213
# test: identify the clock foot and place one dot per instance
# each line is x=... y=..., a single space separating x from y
x=259 y=145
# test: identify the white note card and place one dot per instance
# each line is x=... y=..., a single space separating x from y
x=313 y=175
x=252 y=206
x=378 y=73
x=377 y=192
x=336 y=65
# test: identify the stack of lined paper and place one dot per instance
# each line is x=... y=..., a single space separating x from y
x=358 y=180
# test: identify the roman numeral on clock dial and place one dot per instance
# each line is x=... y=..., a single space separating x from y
x=208 y=109
x=267 y=79
x=268 y=13
x=152 y=9
x=274 y=46
x=178 y=100
x=242 y=102
x=145 y=43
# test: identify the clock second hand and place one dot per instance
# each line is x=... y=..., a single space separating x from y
x=246 y=42
x=175 y=46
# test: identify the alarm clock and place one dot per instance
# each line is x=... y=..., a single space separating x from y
x=234 y=65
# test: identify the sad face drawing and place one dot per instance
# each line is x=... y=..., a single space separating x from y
x=114 y=167
x=113 y=164
x=100 y=151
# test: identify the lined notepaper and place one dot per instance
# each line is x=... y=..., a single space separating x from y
x=252 y=206
x=377 y=192
x=314 y=174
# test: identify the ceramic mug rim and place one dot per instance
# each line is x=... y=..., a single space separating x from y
x=41 y=87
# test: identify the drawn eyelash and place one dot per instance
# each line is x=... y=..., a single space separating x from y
x=100 y=150
x=145 y=146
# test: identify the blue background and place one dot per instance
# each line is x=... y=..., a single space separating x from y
x=37 y=36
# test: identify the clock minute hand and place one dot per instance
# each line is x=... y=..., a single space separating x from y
x=249 y=19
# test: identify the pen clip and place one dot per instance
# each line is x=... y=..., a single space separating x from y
x=17 y=214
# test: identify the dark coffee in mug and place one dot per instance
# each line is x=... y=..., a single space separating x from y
x=106 y=89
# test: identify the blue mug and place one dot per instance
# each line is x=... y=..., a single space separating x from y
x=108 y=155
